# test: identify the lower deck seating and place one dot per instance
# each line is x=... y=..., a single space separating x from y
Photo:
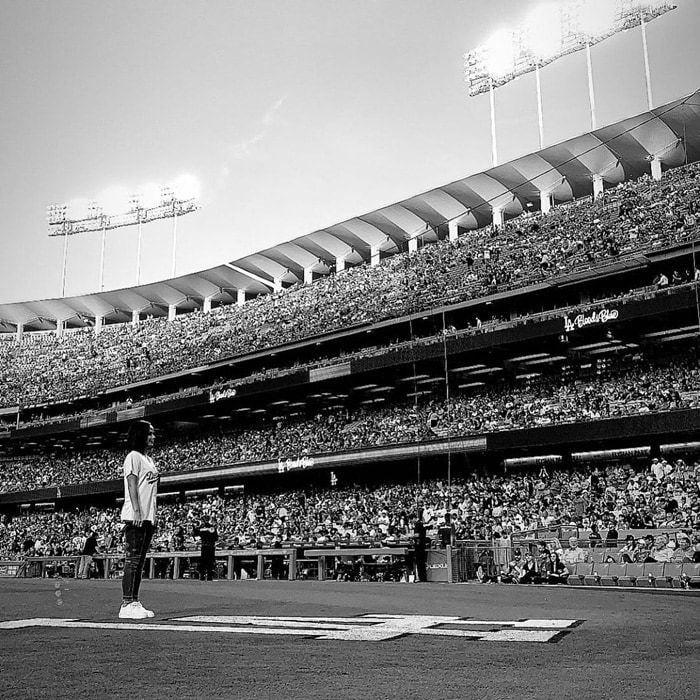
x=651 y=575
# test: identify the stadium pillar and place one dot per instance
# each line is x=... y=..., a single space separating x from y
x=452 y=231
x=597 y=186
x=413 y=244
x=206 y=307
x=339 y=263
x=60 y=326
x=277 y=284
x=20 y=330
x=99 y=322
x=135 y=317
x=308 y=275
x=545 y=202
x=656 y=168
x=374 y=255
x=172 y=312
x=497 y=213
x=240 y=297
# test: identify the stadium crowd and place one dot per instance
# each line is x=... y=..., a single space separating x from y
x=635 y=215
x=633 y=385
x=664 y=494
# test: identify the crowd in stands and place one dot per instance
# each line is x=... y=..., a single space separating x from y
x=607 y=501
x=635 y=215
x=631 y=386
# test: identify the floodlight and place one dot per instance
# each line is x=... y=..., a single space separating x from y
x=185 y=188
x=499 y=53
x=79 y=209
x=115 y=200
x=542 y=32
x=150 y=196
x=595 y=18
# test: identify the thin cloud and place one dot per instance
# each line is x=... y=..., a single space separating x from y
x=243 y=148
x=269 y=116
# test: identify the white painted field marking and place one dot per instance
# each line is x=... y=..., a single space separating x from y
x=366 y=628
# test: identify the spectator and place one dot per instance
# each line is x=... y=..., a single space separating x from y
x=573 y=554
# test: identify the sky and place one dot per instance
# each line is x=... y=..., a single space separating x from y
x=292 y=114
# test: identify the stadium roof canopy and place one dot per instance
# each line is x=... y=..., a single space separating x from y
x=620 y=151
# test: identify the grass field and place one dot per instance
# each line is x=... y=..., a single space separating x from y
x=630 y=644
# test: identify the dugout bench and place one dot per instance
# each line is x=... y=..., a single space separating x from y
x=322 y=556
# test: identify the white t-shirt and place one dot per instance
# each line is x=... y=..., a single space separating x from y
x=147 y=479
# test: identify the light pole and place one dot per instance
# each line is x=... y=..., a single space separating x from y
x=117 y=210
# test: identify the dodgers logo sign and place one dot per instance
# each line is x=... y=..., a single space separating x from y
x=583 y=320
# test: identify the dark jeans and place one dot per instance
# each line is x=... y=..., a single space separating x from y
x=207 y=564
x=137 y=540
x=421 y=561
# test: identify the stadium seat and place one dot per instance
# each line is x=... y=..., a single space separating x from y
x=596 y=578
x=610 y=552
x=651 y=573
x=611 y=574
x=598 y=556
x=577 y=576
x=691 y=574
x=671 y=577
x=633 y=572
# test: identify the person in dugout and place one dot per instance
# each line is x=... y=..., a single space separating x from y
x=208 y=534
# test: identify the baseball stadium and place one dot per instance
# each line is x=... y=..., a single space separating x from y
x=448 y=447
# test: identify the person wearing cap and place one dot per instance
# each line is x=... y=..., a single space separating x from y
x=573 y=554
x=514 y=571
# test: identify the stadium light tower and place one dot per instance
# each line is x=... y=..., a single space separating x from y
x=542 y=37
x=554 y=30
x=116 y=208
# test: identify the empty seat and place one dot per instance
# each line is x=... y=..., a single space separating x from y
x=691 y=574
x=633 y=572
x=650 y=574
x=595 y=579
x=671 y=577
x=580 y=571
x=611 y=574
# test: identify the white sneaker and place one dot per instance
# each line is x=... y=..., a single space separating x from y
x=132 y=611
x=149 y=613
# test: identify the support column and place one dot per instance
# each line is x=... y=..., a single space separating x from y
x=413 y=244
x=135 y=316
x=20 y=330
x=340 y=263
x=172 y=312
x=452 y=231
x=374 y=255
x=277 y=284
x=308 y=275
x=60 y=327
x=99 y=323
x=497 y=213
x=240 y=297
x=545 y=202
x=597 y=186
x=656 y=168
x=206 y=307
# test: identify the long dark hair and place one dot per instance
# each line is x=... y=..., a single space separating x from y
x=137 y=437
